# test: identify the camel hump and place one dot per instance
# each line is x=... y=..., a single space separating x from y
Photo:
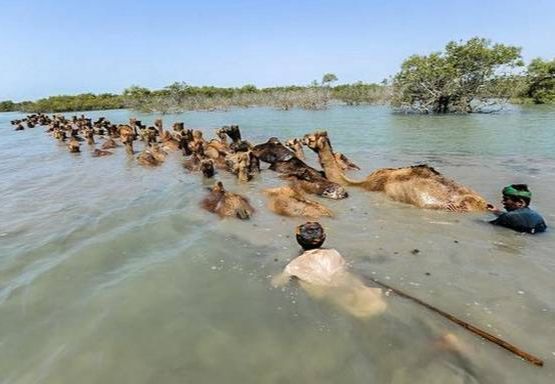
x=424 y=170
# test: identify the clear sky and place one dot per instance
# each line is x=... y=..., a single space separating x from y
x=65 y=47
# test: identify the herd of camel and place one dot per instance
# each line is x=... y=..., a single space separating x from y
x=420 y=185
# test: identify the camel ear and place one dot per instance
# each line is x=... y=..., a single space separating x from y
x=218 y=186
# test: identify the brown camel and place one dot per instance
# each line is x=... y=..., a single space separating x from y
x=296 y=145
x=226 y=203
x=100 y=153
x=128 y=142
x=125 y=130
x=198 y=162
x=109 y=144
x=243 y=164
x=73 y=145
x=207 y=168
x=420 y=185
x=151 y=156
x=186 y=142
x=168 y=142
x=237 y=144
x=89 y=134
x=218 y=147
x=283 y=161
x=178 y=128
x=290 y=201
x=146 y=158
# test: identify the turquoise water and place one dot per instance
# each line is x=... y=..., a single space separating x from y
x=110 y=272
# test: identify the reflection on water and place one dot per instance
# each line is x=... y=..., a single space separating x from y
x=110 y=272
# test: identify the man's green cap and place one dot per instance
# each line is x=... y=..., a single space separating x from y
x=511 y=191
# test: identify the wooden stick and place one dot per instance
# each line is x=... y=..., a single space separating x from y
x=526 y=356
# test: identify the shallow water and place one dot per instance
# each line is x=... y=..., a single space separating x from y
x=110 y=272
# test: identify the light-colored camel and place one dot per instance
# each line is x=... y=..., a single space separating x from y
x=420 y=185
x=73 y=145
x=168 y=142
x=109 y=144
x=218 y=148
x=243 y=164
x=125 y=130
x=290 y=201
x=151 y=156
x=227 y=204
x=296 y=145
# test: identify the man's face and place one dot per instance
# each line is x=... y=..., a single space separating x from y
x=511 y=203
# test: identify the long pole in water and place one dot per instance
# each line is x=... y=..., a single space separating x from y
x=488 y=336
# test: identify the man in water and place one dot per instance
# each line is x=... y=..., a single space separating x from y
x=323 y=274
x=519 y=217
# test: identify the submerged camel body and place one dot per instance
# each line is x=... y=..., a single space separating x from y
x=152 y=156
x=288 y=201
x=226 y=203
x=421 y=185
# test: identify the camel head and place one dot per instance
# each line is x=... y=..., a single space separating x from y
x=159 y=125
x=187 y=134
x=151 y=134
x=335 y=191
x=197 y=148
x=296 y=145
x=158 y=153
x=197 y=135
x=316 y=141
x=218 y=188
x=178 y=127
x=207 y=167
x=232 y=131
x=221 y=134
x=244 y=164
x=74 y=145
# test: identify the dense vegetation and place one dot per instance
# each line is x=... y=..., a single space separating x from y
x=471 y=76
x=82 y=102
x=462 y=78
x=465 y=77
x=540 y=87
x=182 y=97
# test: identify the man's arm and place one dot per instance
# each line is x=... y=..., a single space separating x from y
x=496 y=211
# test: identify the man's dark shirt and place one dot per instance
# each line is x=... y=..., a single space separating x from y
x=521 y=220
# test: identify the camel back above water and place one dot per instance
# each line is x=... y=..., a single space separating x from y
x=424 y=187
x=419 y=185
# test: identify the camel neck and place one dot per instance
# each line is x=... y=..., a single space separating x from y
x=329 y=165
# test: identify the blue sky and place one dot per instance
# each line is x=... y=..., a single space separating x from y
x=67 y=47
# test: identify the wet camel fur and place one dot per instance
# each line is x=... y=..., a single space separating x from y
x=284 y=161
x=227 y=204
x=420 y=185
x=290 y=201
